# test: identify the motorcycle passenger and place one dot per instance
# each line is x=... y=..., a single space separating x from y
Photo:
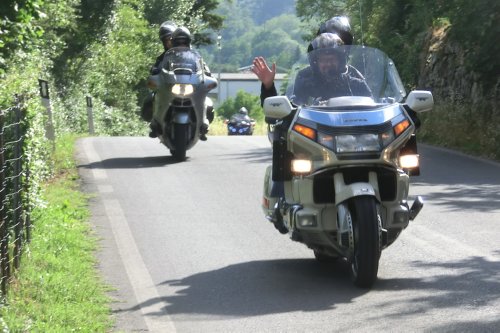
x=165 y=35
x=166 y=30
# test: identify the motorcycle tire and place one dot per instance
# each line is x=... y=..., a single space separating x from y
x=367 y=241
x=180 y=140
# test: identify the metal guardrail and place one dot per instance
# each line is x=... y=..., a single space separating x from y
x=15 y=223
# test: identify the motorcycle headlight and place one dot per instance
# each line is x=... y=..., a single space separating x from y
x=357 y=143
x=301 y=166
x=351 y=143
x=182 y=89
x=409 y=161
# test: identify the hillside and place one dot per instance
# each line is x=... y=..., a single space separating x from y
x=104 y=49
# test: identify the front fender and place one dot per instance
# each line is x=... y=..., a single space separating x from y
x=344 y=192
x=181 y=118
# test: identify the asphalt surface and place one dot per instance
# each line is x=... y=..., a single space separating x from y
x=186 y=246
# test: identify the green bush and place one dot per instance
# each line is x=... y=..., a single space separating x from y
x=243 y=99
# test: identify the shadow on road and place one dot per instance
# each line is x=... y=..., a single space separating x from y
x=256 y=155
x=132 y=162
x=472 y=283
x=279 y=286
x=458 y=182
x=261 y=287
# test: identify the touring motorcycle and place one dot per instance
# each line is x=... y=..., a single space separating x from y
x=180 y=105
x=237 y=126
x=338 y=182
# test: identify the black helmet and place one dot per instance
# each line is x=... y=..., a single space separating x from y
x=243 y=110
x=338 y=25
x=328 y=43
x=181 y=37
x=166 y=29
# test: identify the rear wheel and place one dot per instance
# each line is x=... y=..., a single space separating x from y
x=180 y=140
x=367 y=241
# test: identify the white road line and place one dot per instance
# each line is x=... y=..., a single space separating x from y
x=93 y=157
x=144 y=289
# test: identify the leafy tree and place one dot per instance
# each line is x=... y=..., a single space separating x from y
x=264 y=10
x=243 y=99
x=197 y=15
x=279 y=38
x=17 y=26
x=275 y=45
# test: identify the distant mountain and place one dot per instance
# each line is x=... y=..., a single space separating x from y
x=252 y=28
x=263 y=10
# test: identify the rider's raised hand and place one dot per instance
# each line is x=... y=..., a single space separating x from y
x=263 y=72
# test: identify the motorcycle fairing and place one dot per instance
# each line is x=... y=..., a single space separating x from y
x=351 y=119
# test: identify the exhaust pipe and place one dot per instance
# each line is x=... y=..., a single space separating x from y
x=416 y=207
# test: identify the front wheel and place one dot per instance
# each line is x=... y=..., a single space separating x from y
x=367 y=241
x=180 y=140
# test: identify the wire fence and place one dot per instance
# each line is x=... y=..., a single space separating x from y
x=15 y=223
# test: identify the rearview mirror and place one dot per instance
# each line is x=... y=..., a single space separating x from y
x=277 y=107
x=420 y=100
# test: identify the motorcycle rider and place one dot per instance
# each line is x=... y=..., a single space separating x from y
x=179 y=37
x=242 y=114
x=240 y=123
x=165 y=35
x=338 y=25
x=328 y=75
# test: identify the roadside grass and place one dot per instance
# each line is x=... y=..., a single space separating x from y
x=456 y=127
x=58 y=288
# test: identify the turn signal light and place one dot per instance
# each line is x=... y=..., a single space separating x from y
x=401 y=127
x=305 y=131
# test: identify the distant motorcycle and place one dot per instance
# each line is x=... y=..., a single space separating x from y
x=180 y=104
x=339 y=183
x=240 y=127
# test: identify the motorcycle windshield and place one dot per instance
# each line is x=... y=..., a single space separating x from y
x=182 y=60
x=332 y=76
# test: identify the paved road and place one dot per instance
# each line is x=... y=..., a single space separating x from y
x=187 y=248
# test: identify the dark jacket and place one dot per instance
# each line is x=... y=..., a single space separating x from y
x=310 y=86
